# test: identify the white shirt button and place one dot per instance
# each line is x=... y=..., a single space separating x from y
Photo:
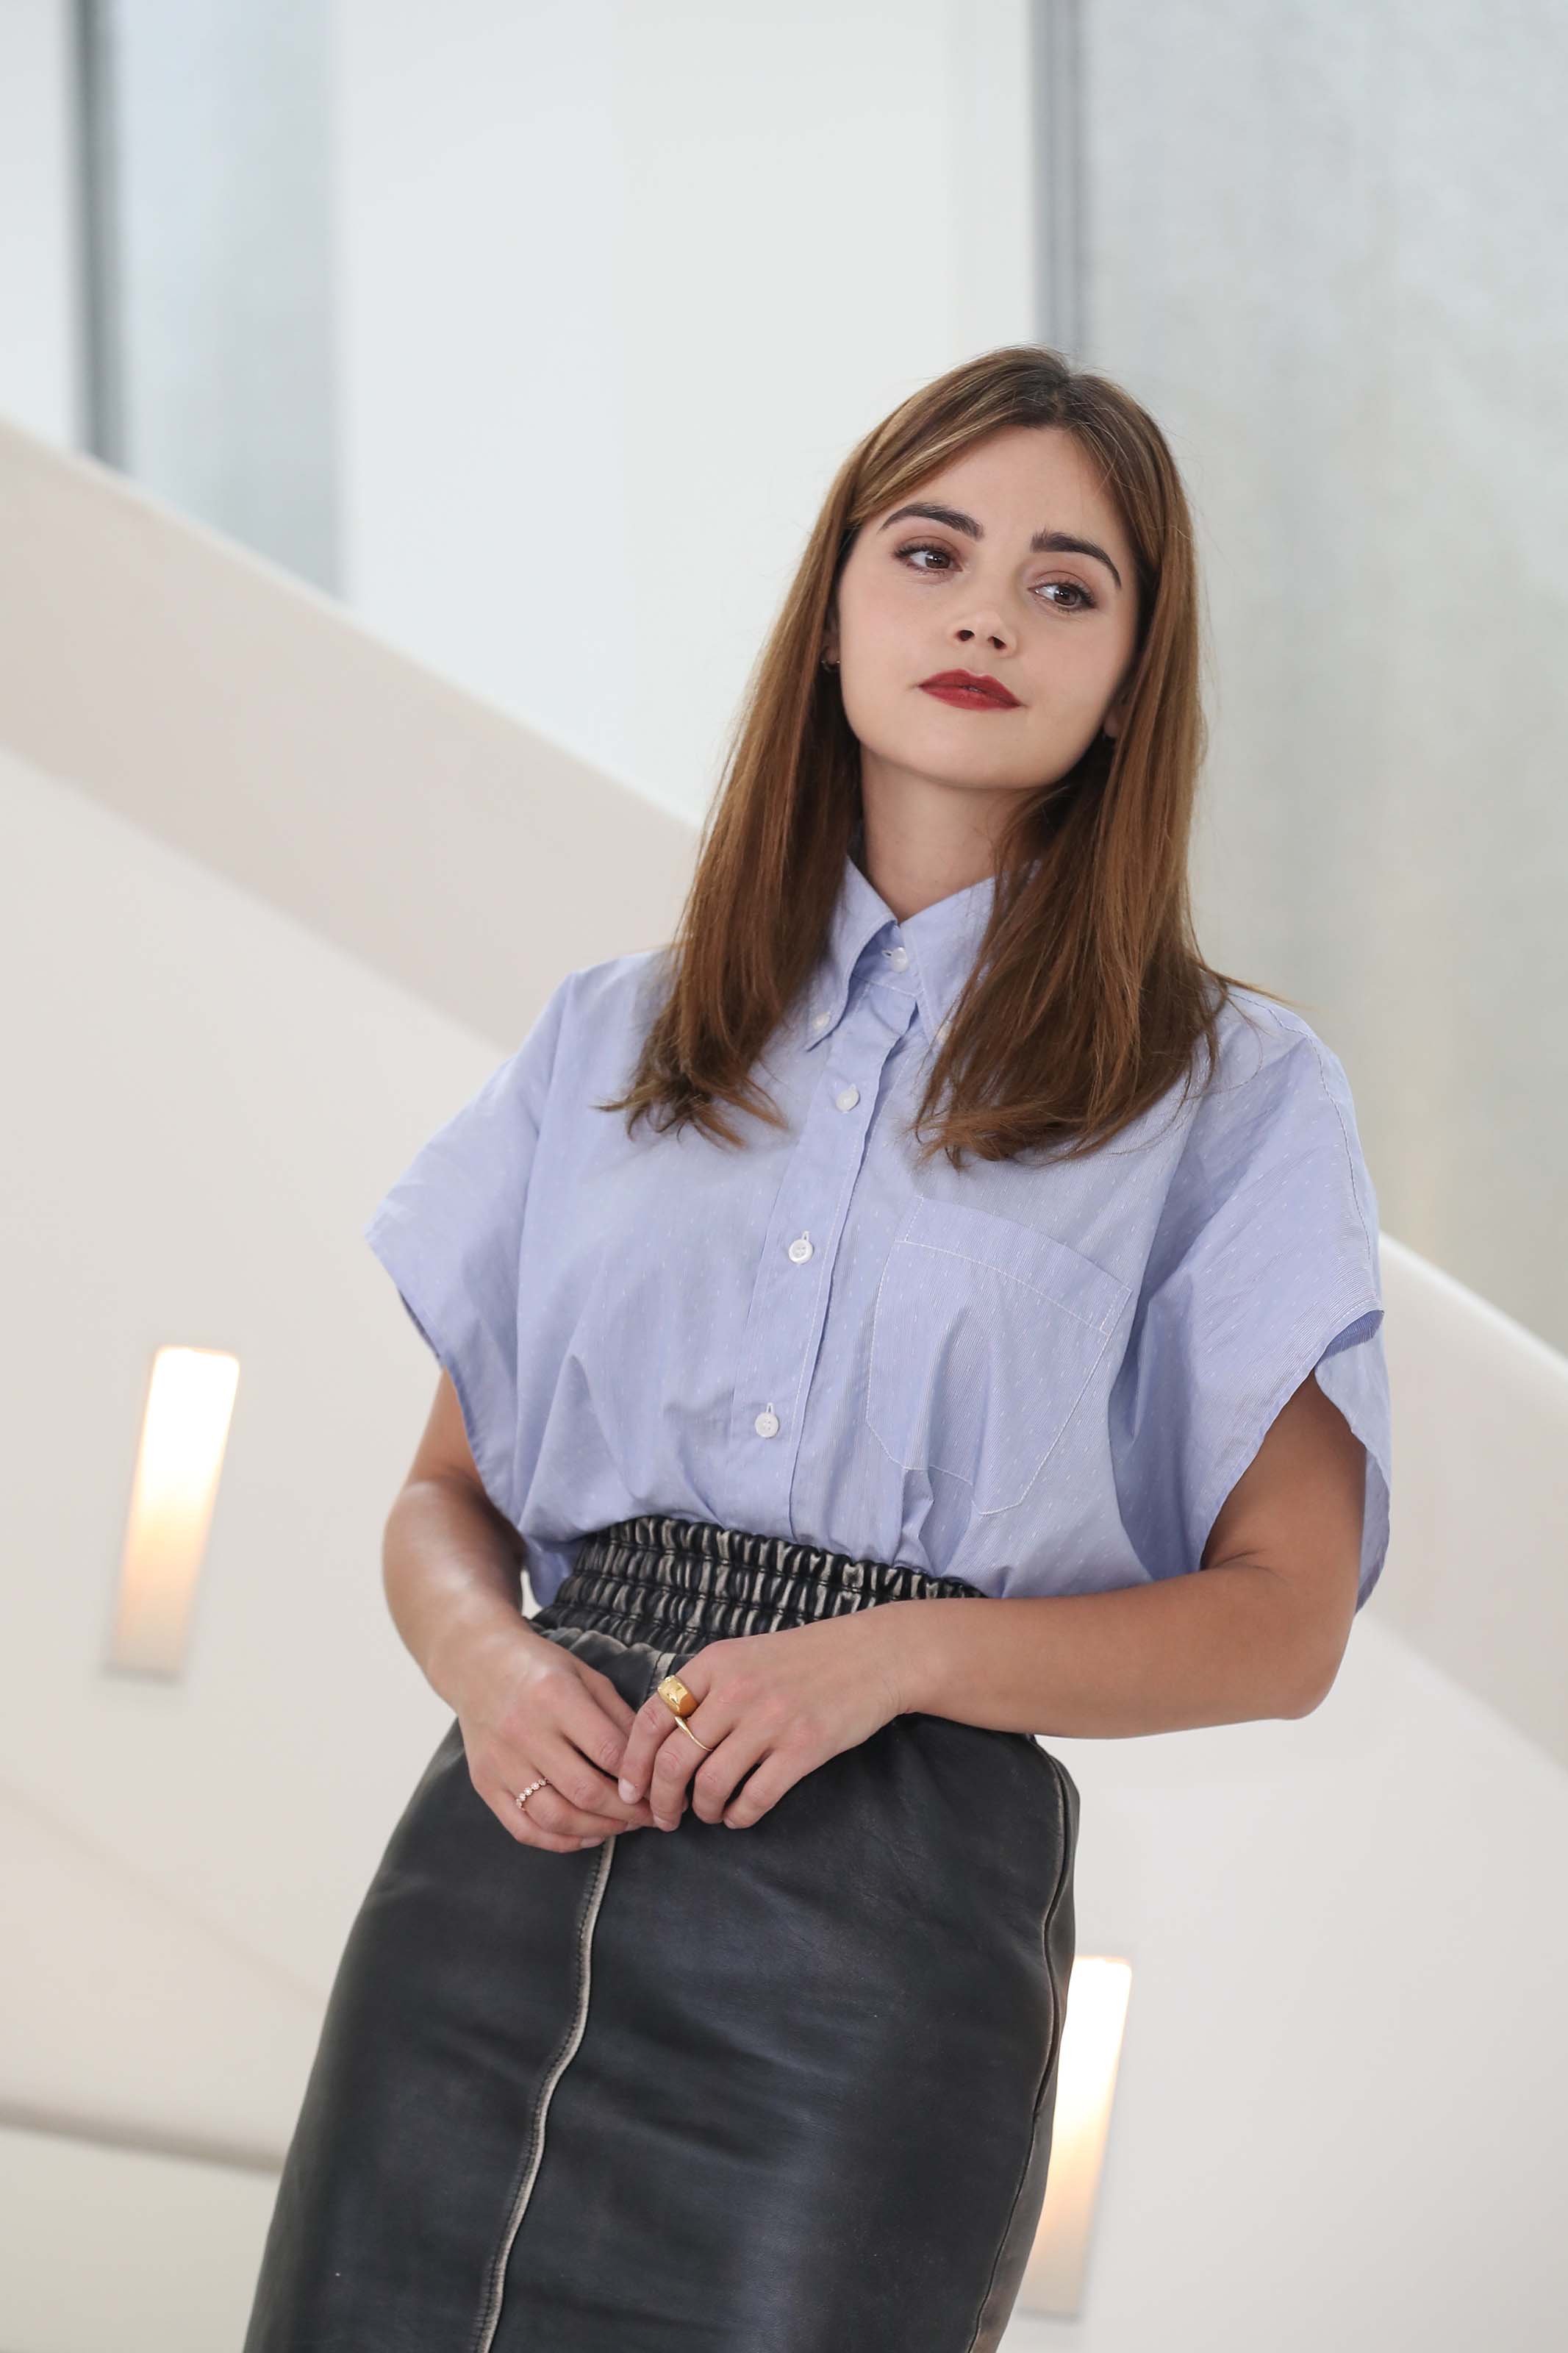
x=896 y=957
x=820 y=1020
x=800 y=1250
x=846 y=1098
x=766 y=1424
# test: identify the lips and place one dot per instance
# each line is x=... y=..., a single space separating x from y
x=969 y=691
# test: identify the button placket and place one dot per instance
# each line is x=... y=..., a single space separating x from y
x=789 y=1300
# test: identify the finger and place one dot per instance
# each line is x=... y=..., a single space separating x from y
x=595 y=1716
x=579 y=1782
x=621 y=1712
x=582 y=1754
x=521 y=1823
x=719 y=1775
x=680 y=1758
x=654 y=1720
x=557 y=1816
x=559 y=1806
x=665 y=1810
x=779 y=1770
x=547 y=1808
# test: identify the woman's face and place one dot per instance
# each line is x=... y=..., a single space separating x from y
x=950 y=580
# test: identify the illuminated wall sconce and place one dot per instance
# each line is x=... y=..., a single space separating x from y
x=1086 y=2085
x=184 y=1430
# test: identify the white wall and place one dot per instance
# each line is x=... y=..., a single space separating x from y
x=1327 y=250
x=124 y=2252
x=217 y=701
x=622 y=285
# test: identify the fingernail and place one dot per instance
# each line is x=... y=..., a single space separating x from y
x=628 y=1791
x=592 y=1841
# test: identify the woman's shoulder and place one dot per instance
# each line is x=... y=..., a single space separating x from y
x=597 y=1016
x=1275 y=1091
x=600 y=997
x=616 y=982
x=1268 y=1051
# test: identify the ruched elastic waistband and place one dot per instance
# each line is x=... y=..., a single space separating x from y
x=657 y=1579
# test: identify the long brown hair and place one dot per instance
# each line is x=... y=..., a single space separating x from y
x=1088 y=994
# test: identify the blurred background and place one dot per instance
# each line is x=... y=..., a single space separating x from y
x=410 y=417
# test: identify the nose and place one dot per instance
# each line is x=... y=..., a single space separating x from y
x=990 y=628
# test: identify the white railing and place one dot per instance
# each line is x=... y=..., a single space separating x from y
x=250 y=720
x=1477 y=1577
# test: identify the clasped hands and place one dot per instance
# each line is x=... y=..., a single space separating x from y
x=771 y=1708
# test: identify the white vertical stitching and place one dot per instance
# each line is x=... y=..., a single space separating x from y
x=584 y=1945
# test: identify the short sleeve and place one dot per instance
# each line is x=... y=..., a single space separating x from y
x=450 y=1233
x=1265 y=1268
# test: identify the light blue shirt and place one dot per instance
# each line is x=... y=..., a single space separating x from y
x=1044 y=1379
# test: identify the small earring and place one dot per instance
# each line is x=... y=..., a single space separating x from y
x=829 y=661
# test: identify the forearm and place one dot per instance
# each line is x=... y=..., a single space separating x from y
x=1225 y=1646
x=452 y=1573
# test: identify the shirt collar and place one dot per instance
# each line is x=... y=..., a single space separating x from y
x=864 y=936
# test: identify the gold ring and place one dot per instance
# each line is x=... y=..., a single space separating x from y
x=675 y=1696
x=674 y=1693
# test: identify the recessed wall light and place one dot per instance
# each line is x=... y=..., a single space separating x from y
x=1086 y=2085
x=184 y=1430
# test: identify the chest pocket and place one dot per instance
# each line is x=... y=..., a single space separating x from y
x=984 y=1337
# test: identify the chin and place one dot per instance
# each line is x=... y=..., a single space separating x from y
x=946 y=763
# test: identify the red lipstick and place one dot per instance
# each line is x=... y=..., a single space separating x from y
x=967 y=690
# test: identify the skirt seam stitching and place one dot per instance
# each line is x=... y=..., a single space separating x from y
x=496 y=2292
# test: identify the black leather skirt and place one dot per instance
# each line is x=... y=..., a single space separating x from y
x=784 y=2089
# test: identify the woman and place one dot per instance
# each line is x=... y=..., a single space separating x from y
x=928 y=1223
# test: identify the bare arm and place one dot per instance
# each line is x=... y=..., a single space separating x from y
x=528 y=1708
x=1260 y=1633
x=451 y=1567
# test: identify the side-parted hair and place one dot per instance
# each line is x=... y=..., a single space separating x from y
x=1088 y=997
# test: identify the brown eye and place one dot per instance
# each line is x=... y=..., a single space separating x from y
x=923 y=547
x=1074 y=589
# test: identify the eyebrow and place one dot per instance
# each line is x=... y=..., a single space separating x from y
x=1061 y=542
